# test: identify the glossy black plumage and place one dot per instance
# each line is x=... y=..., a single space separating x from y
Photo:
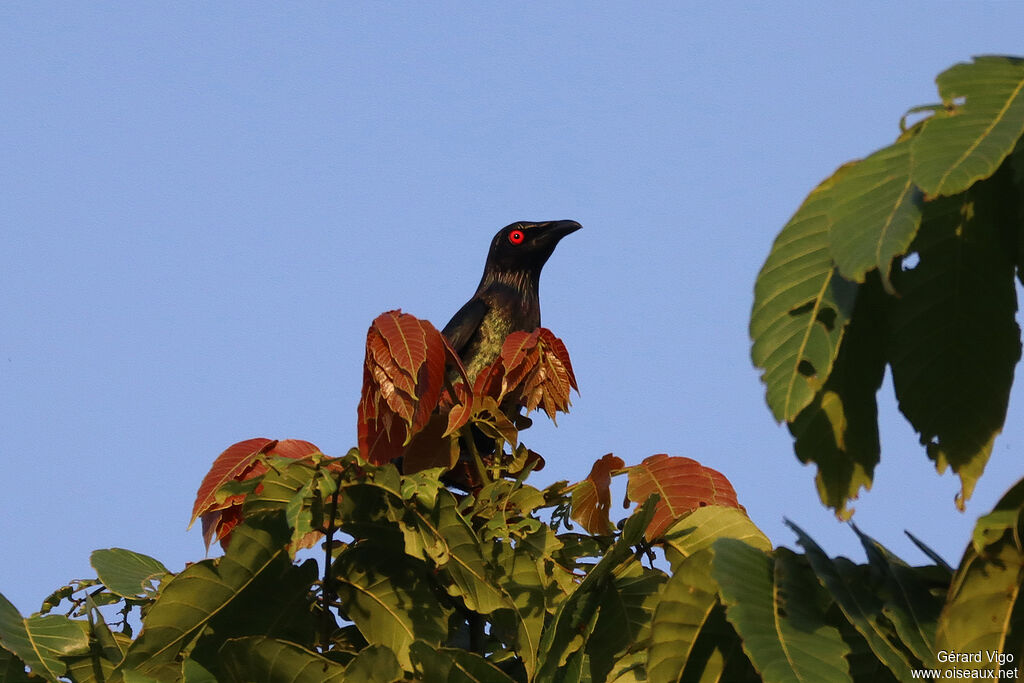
x=507 y=298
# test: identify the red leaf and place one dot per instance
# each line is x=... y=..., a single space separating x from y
x=683 y=484
x=549 y=384
x=238 y=463
x=592 y=497
x=403 y=376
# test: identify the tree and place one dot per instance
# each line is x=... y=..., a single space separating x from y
x=904 y=259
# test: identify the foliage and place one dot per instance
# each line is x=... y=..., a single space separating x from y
x=906 y=260
x=438 y=561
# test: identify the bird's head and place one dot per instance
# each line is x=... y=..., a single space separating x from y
x=524 y=246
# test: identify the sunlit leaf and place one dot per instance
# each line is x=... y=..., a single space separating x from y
x=801 y=306
x=220 y=507
x=702 y=527
x=402 y=381
x=985 y=608
x=773 y=604
x=874 y=214
x=591 y=498
x=685 y=606
x=683 y=485
x=41 y=641
x=969 y=141
x=126 y=573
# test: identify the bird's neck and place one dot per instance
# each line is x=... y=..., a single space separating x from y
x=522 y=284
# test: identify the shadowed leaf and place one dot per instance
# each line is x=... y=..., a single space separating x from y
x=969 y=141
x=908 y=604
x=683 y=485
x=592 y=497
x=451 y=665
x=189 y=601
x=859 y=604
x=954 y=341
x=268 y=659
x=390 y=598
x=838 y=431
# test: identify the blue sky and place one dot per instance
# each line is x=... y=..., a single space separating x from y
x=204 y=206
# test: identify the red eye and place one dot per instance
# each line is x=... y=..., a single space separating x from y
x=516 y=237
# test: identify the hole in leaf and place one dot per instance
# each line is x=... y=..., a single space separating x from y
x=801 y=309
x=827 y=317
x=806 y=369
x=910 y=261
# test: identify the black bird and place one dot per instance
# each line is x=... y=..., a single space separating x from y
x=507 y=299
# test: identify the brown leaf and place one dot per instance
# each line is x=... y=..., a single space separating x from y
x=430 y=448
x=238 y=463
x=403 y=376
x=592 y=497
x=683 y=484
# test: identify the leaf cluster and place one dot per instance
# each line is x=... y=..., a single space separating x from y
x=905 y=259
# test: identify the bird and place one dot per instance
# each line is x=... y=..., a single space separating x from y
x=507 y=299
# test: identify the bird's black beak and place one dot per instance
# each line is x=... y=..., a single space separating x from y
x=553 y=231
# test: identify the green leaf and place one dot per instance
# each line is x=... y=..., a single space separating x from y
x=702 y=527
x=192 y=598
x=859 y=604
x=686 y=603
x=985 y=611
x=276 y=604
x=801 y=306
x=838 y=431
x=450 y=665
x=41 y=641
x=12 y=669
x=624 y=617
x=194 y=672
x=911 y=608
x=969 y=142
x=954 y=341
x=374 y=664
x=773 y=604
x=267 y=659
x=874 y=214
x=456 y=549
x=390 y=598
x=519 y=576
x=127 y=573
x=575 y=618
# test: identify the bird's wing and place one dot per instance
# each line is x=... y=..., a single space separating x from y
x=464 y=323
